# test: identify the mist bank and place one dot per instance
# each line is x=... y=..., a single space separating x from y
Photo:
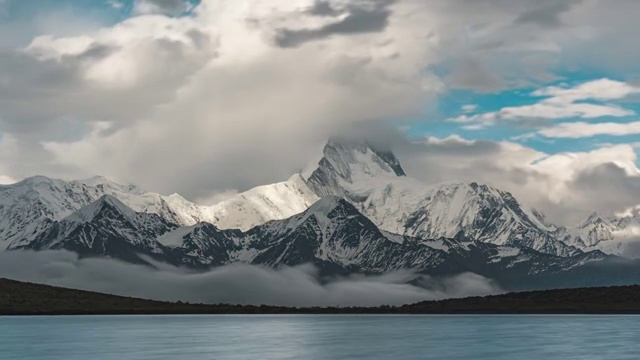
x=237 y=283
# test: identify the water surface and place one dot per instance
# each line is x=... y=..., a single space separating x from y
x=320 y=337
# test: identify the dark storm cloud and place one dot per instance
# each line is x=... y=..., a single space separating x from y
x=622 y=190
x=237 y=284
x=358 y=20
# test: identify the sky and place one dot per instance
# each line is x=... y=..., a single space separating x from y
x=213 y=97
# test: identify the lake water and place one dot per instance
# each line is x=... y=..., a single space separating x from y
x=320 y=337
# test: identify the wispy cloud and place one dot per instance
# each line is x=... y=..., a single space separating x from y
x=583 y=129
x=563 y=103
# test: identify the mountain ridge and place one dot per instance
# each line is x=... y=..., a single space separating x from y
x=358 y=211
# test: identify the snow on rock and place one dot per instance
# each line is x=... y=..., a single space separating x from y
x=89 y=212
x=321 y=210
x=175 y=238
x=262 y=204
x=610 y=234
x=28 y=206
x=376 y=184
x=370 y=179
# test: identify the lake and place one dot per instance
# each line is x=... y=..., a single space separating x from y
x=320 y=337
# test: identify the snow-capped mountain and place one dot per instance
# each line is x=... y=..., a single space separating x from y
x=376 y=184
x=371 y=179
x=30 y=206
x=262 y=204
x=332 y=234
x=336 y=237
x=106 y=227
x=353 y=211
x=609 y=234
x=596 y=228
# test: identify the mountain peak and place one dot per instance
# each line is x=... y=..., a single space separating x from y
x=104 y=183
x=594 y=218
x=349 y=162
x=35 y=181
x=106 y=202
x=351 y=149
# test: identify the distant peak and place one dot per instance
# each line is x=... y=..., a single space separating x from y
x=101 y=181
x=594 y=218
x=346 y=146
x=326 y=205
x=36 y=180
x=89 y=212
x=95 y=180
x=347 y=161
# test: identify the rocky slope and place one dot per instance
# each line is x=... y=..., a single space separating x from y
x=332 y=234
x=377 y=186
x=354 y=211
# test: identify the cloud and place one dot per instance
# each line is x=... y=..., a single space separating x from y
x=548 y=15
x=167 y=7
x=208 y=95
x=602 y=89
x=567 y=187
x=352 y=20
x=209 y=102
x=583 y=129
x=469 y=108
x=116 y=4
x=562 y=103
x=614 y=183
x=236 y=284
x=473 y=74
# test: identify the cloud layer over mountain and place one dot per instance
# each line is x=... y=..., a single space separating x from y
x=237 y=284
x=242 y=92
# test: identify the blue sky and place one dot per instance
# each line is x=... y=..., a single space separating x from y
x=109 y=10
x=455 y=102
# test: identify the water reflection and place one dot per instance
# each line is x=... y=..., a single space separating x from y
x=319 y=337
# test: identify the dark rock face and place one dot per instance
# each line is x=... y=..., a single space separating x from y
x=332 y=234
x=105 y=228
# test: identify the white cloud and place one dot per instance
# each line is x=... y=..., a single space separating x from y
x=602 y=89
x=209 y=102
x=116 y=4
x=168 y=7
x=215 y=101
x=583 y=129
x=469 y=108
x=566 y=186
x=562 y=103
